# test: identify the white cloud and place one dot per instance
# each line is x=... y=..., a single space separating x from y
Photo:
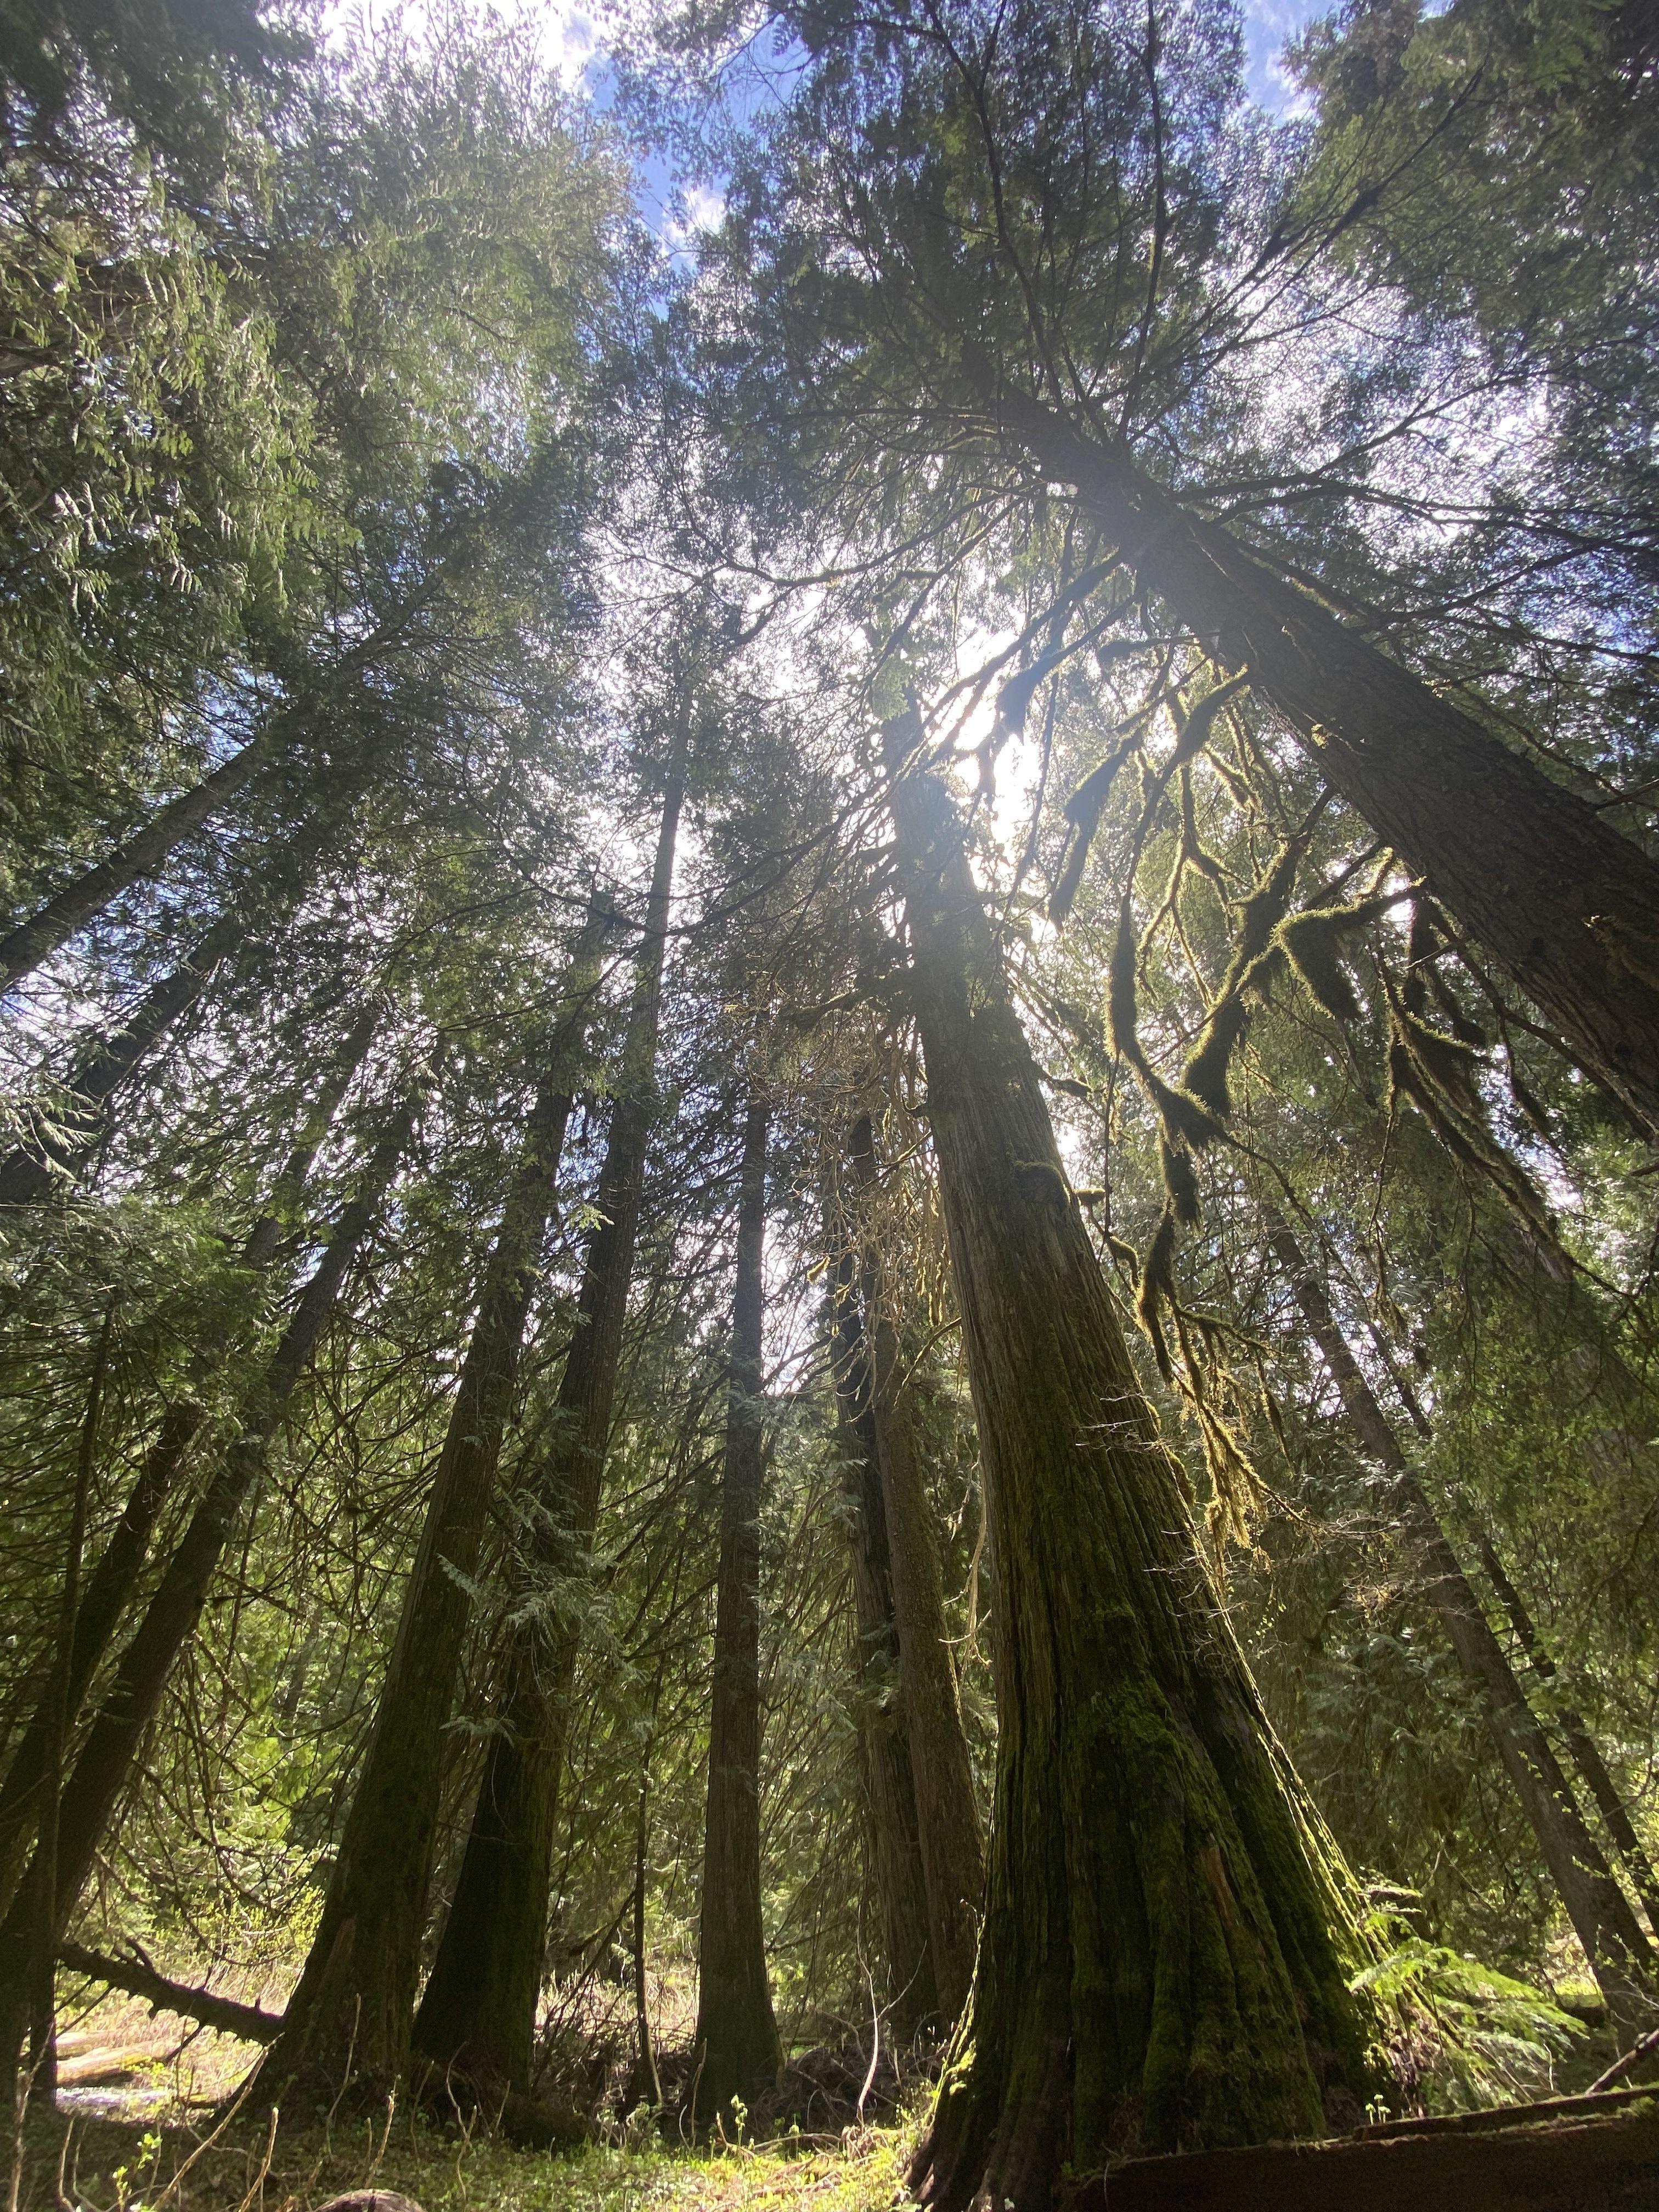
x=1267 y=25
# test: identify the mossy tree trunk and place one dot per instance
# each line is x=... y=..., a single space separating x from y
x=349 y=2013
x=738 y=2053
x=1620 y=1955
x=896 y=1874
x=1568 y=907
x=947 y=1815
x=1166 y=1946
x=110 y=1586
x=105 y=1760
x=477 y=2016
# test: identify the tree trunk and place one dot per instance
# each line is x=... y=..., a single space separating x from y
x=1169 y=1931
x=27 y=1177
x=71 y=908
x=38 y=1987
x=647 y=2063
x=889 y=1788
x=477 y=2016
x=112 y=1582
x=1581 y=1744
x=1568 y=907
x=105 y=1757
x=737 y=2036
x=1620 y=1955
x=350 y=2011
x=947 y=1815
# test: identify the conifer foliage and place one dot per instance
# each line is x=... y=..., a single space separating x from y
x=827 y=1065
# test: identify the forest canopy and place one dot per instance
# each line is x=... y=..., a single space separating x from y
x=828 y=1072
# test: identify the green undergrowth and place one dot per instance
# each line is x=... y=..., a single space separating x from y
x=109 y=2165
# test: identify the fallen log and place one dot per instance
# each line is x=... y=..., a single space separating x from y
x=1607 y=2161
x=140 y=1980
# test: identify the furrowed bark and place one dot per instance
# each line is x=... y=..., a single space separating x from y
x=947 y=1815
x=27 y=1177
x=1620 y=1955
x=1568 y=907
x=478 y=2015
x=890 y=1789
x=737 y=2035
x=1168 y=1931
x=71 y=908
x=351 y=2009
x=105 y=1757
x=113 y=1580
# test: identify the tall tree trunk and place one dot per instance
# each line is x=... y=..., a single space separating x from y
x=71 y=909
x=111 y=1582
x=947 y=1815
x=37 y=1988
x=27 y=1175
x=105 y=1757
x=890 y=1789
x=1168 y=1929
x=1568 y=907
x=1585 y=1752
x=478 y=2015
x=1620 y=1955
x=737 y=2035
x=350 y=2010
x=648 y=2058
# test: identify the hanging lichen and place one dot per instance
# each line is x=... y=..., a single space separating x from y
x=1312 y=941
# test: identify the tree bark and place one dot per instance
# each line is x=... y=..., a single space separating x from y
x=349 y=2012
x=71 y=909
x=1169 y=1931
x=105 y=1757
x=890 y=1789
x=1620 y=1955
x=1568 y=907
x=113 y=1580
x=27 y=1177
x=39 y=1989
x=252 y=2022
x=947 y=1815
x=737 y=2035
x=478 y=2015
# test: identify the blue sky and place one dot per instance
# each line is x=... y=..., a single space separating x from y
x=1268 y=24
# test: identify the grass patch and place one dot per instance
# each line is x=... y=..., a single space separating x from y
x=168 y=2165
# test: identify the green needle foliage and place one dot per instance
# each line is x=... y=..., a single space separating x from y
x=1148 y=610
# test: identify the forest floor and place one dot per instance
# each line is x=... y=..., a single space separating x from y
x=136 y=2128
x=136 y=2132
x=102 y=2164
x=109 y=2165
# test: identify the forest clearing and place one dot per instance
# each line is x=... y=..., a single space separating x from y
x=828 y=1104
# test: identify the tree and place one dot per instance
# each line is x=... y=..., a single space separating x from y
x=737 y=2036
x=101 y=1767
x=941 y=324
x=1134 y=1761
x=1620 y=1955
x=899 y=1877
x=478 y=2015
x=947 y=1817
x=100 y=1607
x=353 y=2002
